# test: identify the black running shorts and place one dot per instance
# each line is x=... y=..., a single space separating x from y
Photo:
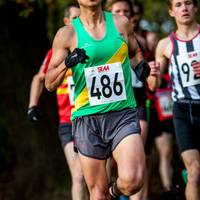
x=65 y=133
x=142 y=112
x=187 y=125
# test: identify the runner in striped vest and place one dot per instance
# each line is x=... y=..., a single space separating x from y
x=182 y=49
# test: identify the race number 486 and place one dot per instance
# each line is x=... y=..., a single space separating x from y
x=105 y=84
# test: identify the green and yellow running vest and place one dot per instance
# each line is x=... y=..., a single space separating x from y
x=103 y=83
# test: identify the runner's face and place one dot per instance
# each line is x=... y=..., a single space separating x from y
x=89 y=3
x=121 y=8
x=74 y=12
x=183 y=11
x=137 y=15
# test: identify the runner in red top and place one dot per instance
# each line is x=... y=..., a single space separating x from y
x=65 y=104
x=64 y=93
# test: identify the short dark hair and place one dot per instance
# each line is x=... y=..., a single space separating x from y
x=169 y=3
x=139 y=5
x=70 y=5
x=109 y=4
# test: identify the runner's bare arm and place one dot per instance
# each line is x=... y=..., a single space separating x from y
x=161 y=56
x=134 y=49
x=161 y=62
x=57 y=68
x=152 y=40
x=37 y=86
x=153 y=79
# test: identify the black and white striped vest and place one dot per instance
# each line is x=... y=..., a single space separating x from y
x=184 y=82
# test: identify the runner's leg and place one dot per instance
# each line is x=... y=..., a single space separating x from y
x=144 y=131
x=164 y=146
x=191 y=160
x=79 y=189
x=130 y=158
x=94 y=171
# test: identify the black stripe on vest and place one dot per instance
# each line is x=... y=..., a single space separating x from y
x=190 y=46
x=176 y=53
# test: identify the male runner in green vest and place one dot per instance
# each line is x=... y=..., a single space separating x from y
x=97 y=47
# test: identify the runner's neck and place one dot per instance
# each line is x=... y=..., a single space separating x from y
x=94 y=25
x=186 y=32
x=92 y=18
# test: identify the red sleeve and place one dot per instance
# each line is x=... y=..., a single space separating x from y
x=46 y=61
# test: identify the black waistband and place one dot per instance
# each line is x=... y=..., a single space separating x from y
x=189 y=101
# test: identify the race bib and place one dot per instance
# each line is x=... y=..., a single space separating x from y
x=185 y=61
x=70 y=83
x=105 y=83
x=135 y=82
x=164 y=103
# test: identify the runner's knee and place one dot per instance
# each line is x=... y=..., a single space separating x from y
x=132 y=182
x=194 y=173
x=165 y=153
x=77 y=178
x=98 y=192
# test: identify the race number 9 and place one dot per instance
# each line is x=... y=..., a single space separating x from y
x=186 y=70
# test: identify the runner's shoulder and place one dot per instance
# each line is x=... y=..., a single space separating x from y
x=65 y=34
x=165 y=46
x=164 y=42
x=66 y=31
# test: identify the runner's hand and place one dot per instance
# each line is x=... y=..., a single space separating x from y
x=34 y=114
x=77 y=56
x=142 y=70
x=196 y=68
x=155 y=68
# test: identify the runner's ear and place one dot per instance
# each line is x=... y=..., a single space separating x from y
x=66 y=20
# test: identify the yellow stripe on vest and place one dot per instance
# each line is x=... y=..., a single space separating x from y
x=62 y=91
x=64 y=80
x=119 y=56
x=82 y=99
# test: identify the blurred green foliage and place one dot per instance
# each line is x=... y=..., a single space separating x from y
x=52 y=8
x=155 y=12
